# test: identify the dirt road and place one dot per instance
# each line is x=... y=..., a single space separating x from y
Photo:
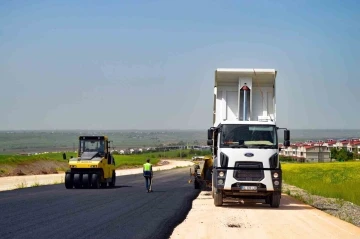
x=253 y=220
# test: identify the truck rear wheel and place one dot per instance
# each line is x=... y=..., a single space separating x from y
x=275 y=200
x=218 y=198
x=68 y=181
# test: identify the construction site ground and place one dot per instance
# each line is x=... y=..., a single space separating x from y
x=293 y=219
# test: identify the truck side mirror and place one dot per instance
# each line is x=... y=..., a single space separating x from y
x=209 y=142
x=64 y=156
x=286 y=138
x=210 y=134
x=286 y=135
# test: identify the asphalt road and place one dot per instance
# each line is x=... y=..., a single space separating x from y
x=126 y=211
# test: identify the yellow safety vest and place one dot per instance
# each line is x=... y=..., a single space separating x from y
x=147 y=167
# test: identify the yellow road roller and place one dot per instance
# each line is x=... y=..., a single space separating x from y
x=94 y=166
x=202 y=172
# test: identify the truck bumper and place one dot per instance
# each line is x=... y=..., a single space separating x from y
x=225 y=181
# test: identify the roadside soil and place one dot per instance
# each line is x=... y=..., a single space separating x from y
x=293 y=219
x=32 y=168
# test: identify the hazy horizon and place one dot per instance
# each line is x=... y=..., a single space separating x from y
x=149 y=129
x=31 y=140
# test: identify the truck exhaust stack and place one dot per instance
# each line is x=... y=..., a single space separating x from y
x=246 y=103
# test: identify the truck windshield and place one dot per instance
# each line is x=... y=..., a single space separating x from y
x=87 y=145
x=248 y=136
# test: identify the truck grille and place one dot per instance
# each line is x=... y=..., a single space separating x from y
x=249 y=175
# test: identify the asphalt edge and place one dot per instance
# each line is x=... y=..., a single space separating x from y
x=179 y=217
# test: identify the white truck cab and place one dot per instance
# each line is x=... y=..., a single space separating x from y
x=244 y=136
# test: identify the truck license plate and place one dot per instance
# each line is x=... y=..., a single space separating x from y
x=249 y=188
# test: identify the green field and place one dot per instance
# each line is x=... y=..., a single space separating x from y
x=336 y=180
x=120 y=160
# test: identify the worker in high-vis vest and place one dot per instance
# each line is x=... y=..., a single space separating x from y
x=148 y=174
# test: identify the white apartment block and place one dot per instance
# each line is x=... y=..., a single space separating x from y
x=318 y=151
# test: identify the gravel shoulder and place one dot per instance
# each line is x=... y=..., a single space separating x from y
x=294 y=219
x=339 y=208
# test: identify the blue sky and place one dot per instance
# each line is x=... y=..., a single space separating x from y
x=150 y=64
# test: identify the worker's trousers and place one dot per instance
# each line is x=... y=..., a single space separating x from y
x=147 y=182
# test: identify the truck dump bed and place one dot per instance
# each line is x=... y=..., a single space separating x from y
x=244 y=95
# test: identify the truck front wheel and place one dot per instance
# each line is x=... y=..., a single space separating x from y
x=218 y=198
x=275 y=200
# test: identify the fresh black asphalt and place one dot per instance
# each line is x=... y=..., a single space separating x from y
x=125 y=211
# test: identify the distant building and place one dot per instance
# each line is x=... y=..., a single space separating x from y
x=319 y=151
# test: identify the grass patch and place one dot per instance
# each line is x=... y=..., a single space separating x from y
x=335 y=180
x=135 y=160
x=18 y=159
x=21 y=185
x=36 y=184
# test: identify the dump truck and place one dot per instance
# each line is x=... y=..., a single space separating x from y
x=244 y=137
x=94 y=166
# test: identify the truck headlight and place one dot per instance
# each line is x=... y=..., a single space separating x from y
x=221 y=174
x=276 y=175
